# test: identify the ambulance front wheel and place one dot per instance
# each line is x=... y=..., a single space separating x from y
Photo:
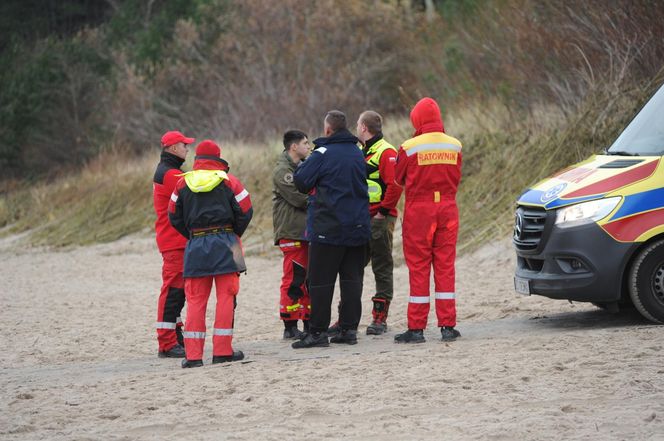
x=646 y=282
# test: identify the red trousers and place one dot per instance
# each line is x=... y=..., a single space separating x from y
x=171 y=299
x=197 y=290
x=296 y=260
x=429 y=239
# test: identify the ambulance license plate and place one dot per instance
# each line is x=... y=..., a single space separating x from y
x=522 y=286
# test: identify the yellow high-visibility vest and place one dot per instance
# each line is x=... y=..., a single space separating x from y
x=374 y=182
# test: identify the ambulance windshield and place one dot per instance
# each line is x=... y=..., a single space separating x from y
x=644 y=136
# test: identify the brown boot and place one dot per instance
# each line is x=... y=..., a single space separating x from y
x=379 y=324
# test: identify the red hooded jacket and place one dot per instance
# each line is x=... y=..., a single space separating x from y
x=429 y=164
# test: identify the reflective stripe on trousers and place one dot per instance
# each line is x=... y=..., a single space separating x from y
x=218 y=331
x=289 y=244
x=295 y=262
x=429 y=243
x=171 y=299
x=445 y=296
x=197 y=290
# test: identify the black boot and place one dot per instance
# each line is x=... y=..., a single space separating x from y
x=293 y=333
x=312 y=340
x=191 y=363
x=379 y=324
x=449 y=333
x=346 y=336
x=176 y=351
x=290 y=330
x=237 y=356
x=334 y=329
x=410 y=336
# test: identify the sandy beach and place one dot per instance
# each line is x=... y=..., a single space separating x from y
x=80 y=361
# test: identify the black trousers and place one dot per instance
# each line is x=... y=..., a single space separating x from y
x=325 y=262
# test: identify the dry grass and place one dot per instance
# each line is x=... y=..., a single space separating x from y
x=107 y=199
x=111 y=197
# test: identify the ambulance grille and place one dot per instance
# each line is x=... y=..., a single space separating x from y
x=529 y=223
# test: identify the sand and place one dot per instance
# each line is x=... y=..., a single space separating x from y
x=79 y=361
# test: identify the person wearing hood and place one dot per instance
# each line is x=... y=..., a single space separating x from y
x=212 y=208
x=289 y=213
x=171 y=246
x=429 y=168
x=338 y=229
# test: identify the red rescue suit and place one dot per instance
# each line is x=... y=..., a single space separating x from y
x=294 y=303
x=171 y=246
x=198 y=292
x=429 y=167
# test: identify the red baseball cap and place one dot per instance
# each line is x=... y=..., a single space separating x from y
x=171 y=138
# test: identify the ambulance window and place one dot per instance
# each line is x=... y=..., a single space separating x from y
x=644 y=136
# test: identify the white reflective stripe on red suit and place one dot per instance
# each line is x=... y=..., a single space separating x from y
x=223 y=332
x=418 y=299
x=445 y=296
x=166 y=325
x=432 y=147
x=243 y=194
x=192 y=334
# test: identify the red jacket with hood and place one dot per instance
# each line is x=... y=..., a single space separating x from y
x=429 y=164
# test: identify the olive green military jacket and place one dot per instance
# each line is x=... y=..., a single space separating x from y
x=289 y=206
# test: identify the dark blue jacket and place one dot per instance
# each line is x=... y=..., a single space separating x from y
x=338 y=211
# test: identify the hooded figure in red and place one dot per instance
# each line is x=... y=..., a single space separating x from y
x=429 y=168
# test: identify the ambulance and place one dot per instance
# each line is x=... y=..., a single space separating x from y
x=594 y=232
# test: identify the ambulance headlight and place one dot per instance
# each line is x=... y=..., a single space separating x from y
x=585 y=212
